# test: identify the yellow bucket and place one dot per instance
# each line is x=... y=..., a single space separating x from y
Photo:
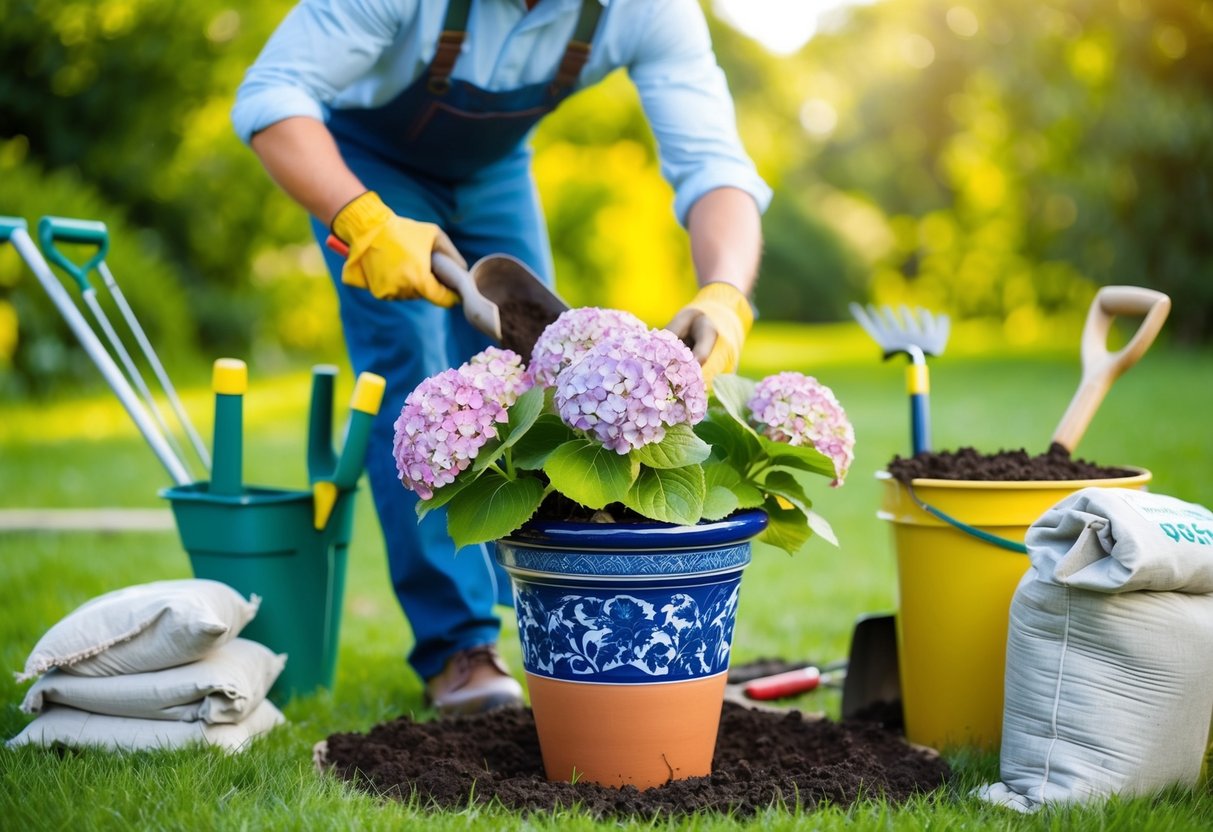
x=954 y=595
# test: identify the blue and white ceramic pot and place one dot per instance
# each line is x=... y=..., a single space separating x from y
x=626 y=631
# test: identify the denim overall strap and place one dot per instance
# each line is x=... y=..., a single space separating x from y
x=454 y=30
x=448 y=129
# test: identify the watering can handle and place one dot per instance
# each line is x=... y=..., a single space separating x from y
x=1099 y=367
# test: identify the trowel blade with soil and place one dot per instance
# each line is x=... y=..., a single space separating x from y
x=525 y=304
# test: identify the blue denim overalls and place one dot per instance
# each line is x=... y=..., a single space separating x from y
x=446 y=152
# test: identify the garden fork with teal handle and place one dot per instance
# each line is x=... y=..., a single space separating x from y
x=916 y=333
x=53 y=230
x=14 y=230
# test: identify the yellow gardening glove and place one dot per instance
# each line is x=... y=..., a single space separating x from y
x=714 y=324
x=390 y=255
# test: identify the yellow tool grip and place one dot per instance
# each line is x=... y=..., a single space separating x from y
x=918 y=381
x=368 y=393
x=230 y=377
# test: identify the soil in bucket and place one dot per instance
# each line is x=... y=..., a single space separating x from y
x=1004 y=466
x=1014 y=466
x=762 y=759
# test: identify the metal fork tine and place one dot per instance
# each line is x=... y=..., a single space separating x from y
x=911 y=320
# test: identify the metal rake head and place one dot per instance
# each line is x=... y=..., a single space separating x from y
x=898 y=333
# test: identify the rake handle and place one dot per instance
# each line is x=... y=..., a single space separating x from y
x=1100 y=368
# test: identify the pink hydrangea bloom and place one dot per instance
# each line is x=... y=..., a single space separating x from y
x=569 y=337
x=626 y=390
x=500 y=373
x=445 y=422
x=800 y=410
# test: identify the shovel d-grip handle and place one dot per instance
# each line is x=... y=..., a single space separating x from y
x=81 y=232
x=1099 y=366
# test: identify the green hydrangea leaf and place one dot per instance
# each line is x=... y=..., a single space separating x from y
x=546 y=435
x=669 y=495
x=590 y=474
x=730 y=440
x=492 y=507
x=679 y=447
x=719 y=503
x=733 y=393
x=522 y=415
x=787 y=528
x=787 y=485
x=724 y=475
x=444 y=495
x=800 y=457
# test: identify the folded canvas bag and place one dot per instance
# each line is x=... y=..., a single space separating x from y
x=60 y=726
x=142 y=628
x=1109 y=674
x=225 y=685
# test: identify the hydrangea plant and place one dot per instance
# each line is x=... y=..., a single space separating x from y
x=610 y=412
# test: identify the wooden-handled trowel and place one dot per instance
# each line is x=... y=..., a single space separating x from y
x=501 y=297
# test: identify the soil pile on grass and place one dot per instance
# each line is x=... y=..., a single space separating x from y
x=1004 y=466
x=762 y=759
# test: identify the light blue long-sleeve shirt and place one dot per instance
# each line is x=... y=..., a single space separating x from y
x=363 y=53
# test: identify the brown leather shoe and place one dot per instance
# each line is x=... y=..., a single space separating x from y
x=474 y=680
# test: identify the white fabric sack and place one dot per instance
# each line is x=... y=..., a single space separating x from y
x=142 y=628
x=1109 y=673
x=225 y=685
x=79 y=729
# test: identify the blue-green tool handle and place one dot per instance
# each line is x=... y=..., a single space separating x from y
x=84 y=232
x=918 y=385
x=353 y=452
x=321 y=458
x=227 y=458
x=10 y=224
x=920 y=423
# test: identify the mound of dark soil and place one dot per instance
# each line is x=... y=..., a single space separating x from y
x=1004 y=466
x=762 y=759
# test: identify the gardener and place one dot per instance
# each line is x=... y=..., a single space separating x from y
x=402 y=127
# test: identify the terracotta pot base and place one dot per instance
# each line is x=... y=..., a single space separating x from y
x=633 y=735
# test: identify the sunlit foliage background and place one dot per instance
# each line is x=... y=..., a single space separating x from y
x=994 y=159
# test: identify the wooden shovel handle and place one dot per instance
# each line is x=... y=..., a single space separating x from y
x=1099 y=367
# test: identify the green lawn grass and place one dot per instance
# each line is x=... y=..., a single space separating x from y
x=80 y=452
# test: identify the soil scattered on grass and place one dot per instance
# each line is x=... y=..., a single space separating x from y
x=1004 y=466
x=762 y=759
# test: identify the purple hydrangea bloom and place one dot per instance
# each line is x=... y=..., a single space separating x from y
x=569 y=337
x=500 y=373
x=800 y=410
x=449 y=418
x=626 y=390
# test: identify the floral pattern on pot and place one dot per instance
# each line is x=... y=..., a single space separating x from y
x=642 y=636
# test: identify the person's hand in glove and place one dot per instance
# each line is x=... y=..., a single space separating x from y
x=390 y=254
x=714 y=325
